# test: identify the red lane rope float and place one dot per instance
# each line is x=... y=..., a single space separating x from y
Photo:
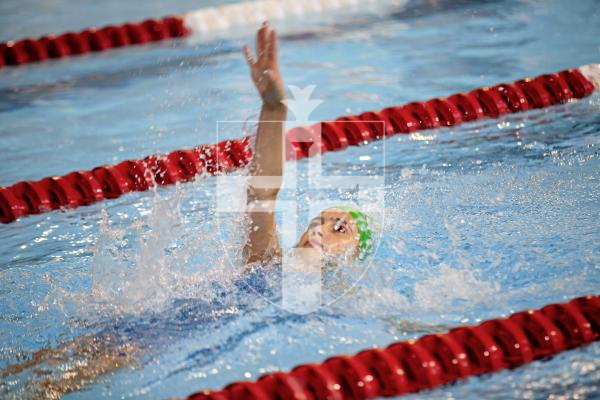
x=431 y=361
x=207 y=20
x=30 y=50
x=106 y=182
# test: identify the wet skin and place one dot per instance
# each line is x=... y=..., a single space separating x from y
x=334 y=232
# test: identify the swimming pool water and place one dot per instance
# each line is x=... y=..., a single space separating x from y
x=482 y=219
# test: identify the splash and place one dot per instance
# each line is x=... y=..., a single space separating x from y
x=452 y=289
x=145 y=266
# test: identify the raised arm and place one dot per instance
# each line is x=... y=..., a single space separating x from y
x=266 y=166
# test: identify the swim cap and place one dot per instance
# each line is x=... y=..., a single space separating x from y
x=365 y=233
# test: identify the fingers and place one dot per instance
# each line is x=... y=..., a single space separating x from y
x=248 y=55
x=273 y=48
x=265 y=56
x=262 y=39
x=266 y=47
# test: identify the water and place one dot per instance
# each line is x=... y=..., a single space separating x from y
x=481 y=220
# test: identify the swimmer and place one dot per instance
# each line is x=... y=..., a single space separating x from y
x=338 y=230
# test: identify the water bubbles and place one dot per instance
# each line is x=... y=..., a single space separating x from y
x=198 y=375
x=503 y=124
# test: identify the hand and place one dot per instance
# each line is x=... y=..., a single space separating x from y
x=265 y=69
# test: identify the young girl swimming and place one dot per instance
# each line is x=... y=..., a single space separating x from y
x=337 y=230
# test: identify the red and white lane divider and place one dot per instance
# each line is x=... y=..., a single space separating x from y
x=431 y=361
x=203 y=21
x=110 y=181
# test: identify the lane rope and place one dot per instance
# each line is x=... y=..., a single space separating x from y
x=432 y=360
x=110 y=181
x=202 y=21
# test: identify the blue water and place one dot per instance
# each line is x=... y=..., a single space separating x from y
x=481 y=220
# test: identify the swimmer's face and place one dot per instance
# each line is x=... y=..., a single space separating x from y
x=334 y=232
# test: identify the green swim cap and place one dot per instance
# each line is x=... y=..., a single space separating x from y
x=365 y=233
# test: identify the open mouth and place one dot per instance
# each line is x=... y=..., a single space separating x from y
x=314 y=245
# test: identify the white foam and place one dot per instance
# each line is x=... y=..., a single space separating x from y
x=592 y=72
x=219 y=19
x=449 y=288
